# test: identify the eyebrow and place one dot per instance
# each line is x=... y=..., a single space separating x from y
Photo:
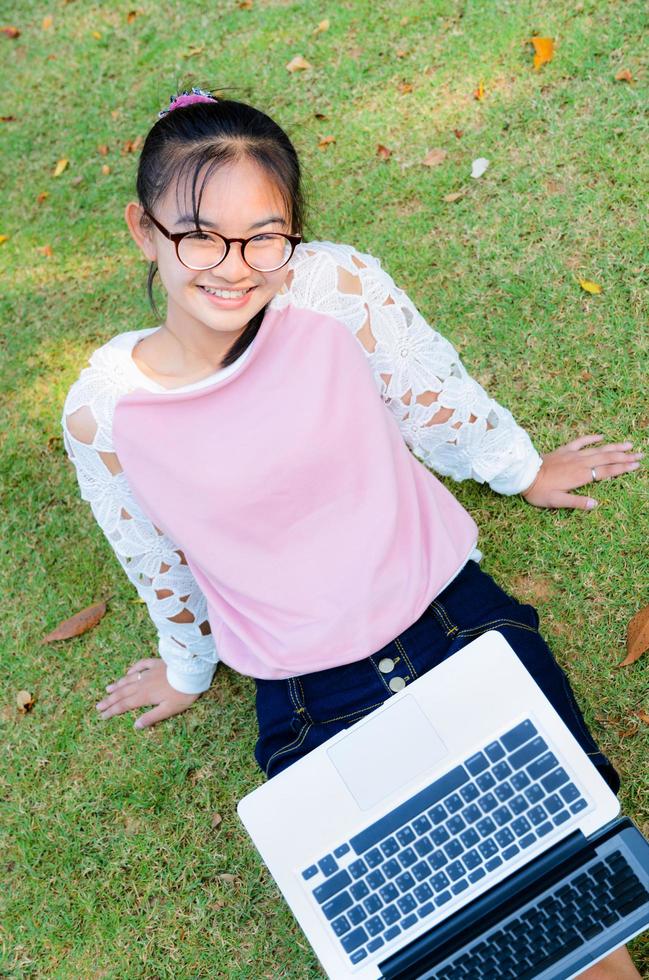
x=189 y=219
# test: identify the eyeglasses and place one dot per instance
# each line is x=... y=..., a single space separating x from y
x=201 y=250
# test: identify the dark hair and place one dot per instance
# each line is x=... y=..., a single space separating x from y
x=192 y=142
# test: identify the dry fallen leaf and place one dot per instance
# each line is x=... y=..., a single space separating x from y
x=42 y=197
x=322 y=26
x=45 y=250
x=458 y=133
x=244 y=4
x=77 y=624
x=455 y=196
x=60 y=167
x=217 y=820
x=131 y=146
x=77 y=180
x=105 y=169
x=637 y=637
x=590 y=287
x=96 y=35
x=102 y=150
x=194 y=51
x=325 y=141
x=25 y=701
x=47 y=23
x=319 y=115
x=434 y=157
x=298 y=63
x=383 y=152
x=11 y=32
x=401 y=53
x=624 y=75
x=8 y=119
x=643 y=716
x=227 y=879
x=543 y=50
x=479 y=93
x=3 y=239
x=404 y=88
x=586 y=376
x=131 y=15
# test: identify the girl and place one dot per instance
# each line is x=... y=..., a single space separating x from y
x=247 y=459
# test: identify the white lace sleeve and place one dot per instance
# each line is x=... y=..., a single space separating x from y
x=446 y=417
x=152 y=562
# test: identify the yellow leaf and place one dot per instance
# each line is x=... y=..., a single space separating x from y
x=326 y=141
x=590 y=287
x=455 y=196
x=105 y=169
x=96 y=35
x=543 y=50
x=60 y=167
x=624 y=75
x=42 y=197
x=298 y=63
x=47 y=23
x=131 y=15
x=479 y=92
x=3 y=239
x=322 y=26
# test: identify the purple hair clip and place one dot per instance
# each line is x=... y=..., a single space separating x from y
x=187 y=98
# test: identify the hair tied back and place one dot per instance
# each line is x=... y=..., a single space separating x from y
x=183 y=99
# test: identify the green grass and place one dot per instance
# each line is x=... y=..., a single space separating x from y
x=110 y=866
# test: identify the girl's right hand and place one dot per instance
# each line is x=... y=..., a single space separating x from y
x=145 y=683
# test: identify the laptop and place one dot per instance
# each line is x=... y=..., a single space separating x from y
x=458 y=831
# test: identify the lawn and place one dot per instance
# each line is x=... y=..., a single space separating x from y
x=113 y=862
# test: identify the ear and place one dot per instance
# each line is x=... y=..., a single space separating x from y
x=142 y=233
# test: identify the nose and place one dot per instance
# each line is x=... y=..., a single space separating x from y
x=233 y=268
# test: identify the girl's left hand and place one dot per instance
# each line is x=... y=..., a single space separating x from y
x=575 y=465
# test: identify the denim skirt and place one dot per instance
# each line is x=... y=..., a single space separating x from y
x=297 y=714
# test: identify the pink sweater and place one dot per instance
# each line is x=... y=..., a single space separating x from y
x=313 y=532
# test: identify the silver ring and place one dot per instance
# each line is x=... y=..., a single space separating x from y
x=592 y=470
x=139 y=676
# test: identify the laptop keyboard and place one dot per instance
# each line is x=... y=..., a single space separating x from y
x=578 y=909
x=445 y=841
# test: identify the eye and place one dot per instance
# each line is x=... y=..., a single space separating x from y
x=199 y=236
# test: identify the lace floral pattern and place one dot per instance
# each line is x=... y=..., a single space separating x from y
x=446 y=418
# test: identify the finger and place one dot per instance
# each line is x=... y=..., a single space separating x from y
x=574 y=501
x=142 y=665
x=159 y=713
x=610 y=447
x=126 y=700
x=583 y=441
x=613 y=470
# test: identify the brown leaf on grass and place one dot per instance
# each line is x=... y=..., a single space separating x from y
x=543 y=50
x=643 y=716
x=326 y=141
x=77 y=180
x=479 y=93
x=319 y=115
x=80 y=623
x=25 y=702
x=10 y=32
x=624 y=75
x=401 y=53
x=132 y=146
x=434 y=157
x=637 y=637
x=454 y=197
x=48 y=23
x=458 y=133
x=105 y=169
x=322 y=26
x=42 y=197
x=60 y=167
x=227 y=879
x=102 y=150
x=404 y=88
x=245 y=4
x=45 y=250
x=383 y=152
x=298 y=63
x=586 y=376
x=131 y=15
x=8 y=119
x=534 y=588
x=217 y=820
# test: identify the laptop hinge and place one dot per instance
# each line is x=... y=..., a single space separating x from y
x=413 y=961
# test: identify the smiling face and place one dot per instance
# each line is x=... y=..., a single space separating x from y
x=214 y=306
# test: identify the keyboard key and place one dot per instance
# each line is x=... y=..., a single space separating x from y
x=471 y=813
x=340 y=851
x=421 y=870
x=544 y=829
x=439 y=836
x=410 y=809
x=359 y=890
x=536 y=815
x=407 y=857
x=527 y=840
x=459 y=886
x=374 y=858
x=520 y=780
x=375 y=879
x=357 y=956
x=469 y=837
x=405 y=836
x=389 y=893
x=425 y=910
x=486 y=826
x=310 y=872
x=453 y=803
x=561 y=818
x=529 y=752
x=423 y=892
x=405 y=882
x=486 y=781
x=494 y=751
x=356 y=915
x=357 y=869
x=488 y=848
x=493 y=864
x=389 y=846
x=328 y=865
x=354 y=939
x=391 y=868
x=331 y=887
x=406 y=903
x=455 y=825
x=456 y=870
x=438 y=814
x=340 y=925
x=504 y=792
x=505 y=837
x=534 y=793
x=443 y=898
x=501 y=771
x=374 y=945
x=502 y=815
x=487 y=803
x=521 y=826
x=437 y=860
x=391 y=933
x=440 y=881
x=569 y=792
x=477 y=763
x=410 y=921
x=373 y=904
x=453 y=848
x=337 y=905
x=421 y=825
x=477 y=874
x=511 y=852
x=539 y=767
x=390 y=914
x=423 y=846
x=522 y=733
x=469 y=792
x=578 y=805
x=555 y=780
x=471 y=859
x=553 y=804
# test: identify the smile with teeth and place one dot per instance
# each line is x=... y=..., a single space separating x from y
x=227 y=293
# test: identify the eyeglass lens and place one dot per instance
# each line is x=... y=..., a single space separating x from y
x=201 y=250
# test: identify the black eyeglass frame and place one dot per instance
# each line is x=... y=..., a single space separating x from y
x=177 y=237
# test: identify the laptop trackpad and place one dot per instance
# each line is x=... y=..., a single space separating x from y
x=386 y=752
